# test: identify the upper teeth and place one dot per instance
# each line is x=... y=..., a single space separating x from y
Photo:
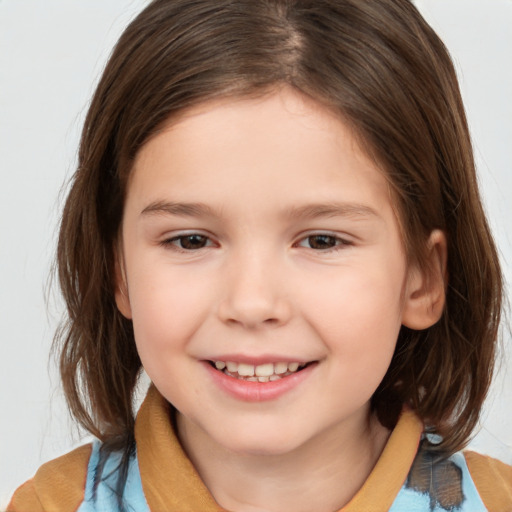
x=262 y=370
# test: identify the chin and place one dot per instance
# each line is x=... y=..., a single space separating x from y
x=262 y=442
x=261 y=447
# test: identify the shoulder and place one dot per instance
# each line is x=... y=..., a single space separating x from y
x=58 y=485
x=463 y=481
x=493 y=480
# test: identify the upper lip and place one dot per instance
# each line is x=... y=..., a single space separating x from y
x=259 y=360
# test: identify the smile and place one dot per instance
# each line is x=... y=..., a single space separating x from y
x=262 y=382
x=267 y=372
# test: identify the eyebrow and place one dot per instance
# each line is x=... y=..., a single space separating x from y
x=180 y=209
x=310 y=211
x=314 y=211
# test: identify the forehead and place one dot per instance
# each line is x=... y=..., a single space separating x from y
x=282 y=148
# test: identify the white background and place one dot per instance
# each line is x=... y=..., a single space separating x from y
x=51 y=55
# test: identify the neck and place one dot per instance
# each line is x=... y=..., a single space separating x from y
x=321 y=475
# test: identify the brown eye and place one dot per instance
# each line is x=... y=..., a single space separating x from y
x=191 y=242
x=324 y=243
x=320 y=242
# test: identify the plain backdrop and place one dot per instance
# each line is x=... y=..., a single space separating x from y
x=51 y=55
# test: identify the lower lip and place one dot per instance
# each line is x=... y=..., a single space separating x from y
x=258 y=391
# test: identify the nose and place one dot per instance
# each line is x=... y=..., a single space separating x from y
x=254 y=295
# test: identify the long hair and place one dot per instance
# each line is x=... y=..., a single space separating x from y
x=382 y=69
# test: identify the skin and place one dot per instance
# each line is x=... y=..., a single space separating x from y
x=259 y=282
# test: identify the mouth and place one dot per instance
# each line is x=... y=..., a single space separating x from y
x=267 y=372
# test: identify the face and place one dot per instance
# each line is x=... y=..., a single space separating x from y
x=263 y=270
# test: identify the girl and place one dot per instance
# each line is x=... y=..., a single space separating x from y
x=276 y=215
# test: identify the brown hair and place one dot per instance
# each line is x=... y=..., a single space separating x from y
x=377 y=64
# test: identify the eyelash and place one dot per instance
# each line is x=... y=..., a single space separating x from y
x=340 y=242
x=169 y=242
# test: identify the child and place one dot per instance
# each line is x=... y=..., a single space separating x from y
x=276 y=214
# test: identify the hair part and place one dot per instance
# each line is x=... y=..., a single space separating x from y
x=379 y=66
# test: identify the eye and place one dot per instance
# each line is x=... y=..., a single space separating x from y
x=190 y=242
x=323 y=242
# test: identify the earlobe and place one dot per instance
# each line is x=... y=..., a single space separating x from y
x=121 y=289
x=426 y=289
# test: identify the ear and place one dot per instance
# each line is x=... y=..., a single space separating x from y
x=121 y=285
x=425 y=289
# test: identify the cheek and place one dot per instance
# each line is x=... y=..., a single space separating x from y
x=363 y=302
x=166 y=314
x=358 y=317
x=167 y=308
